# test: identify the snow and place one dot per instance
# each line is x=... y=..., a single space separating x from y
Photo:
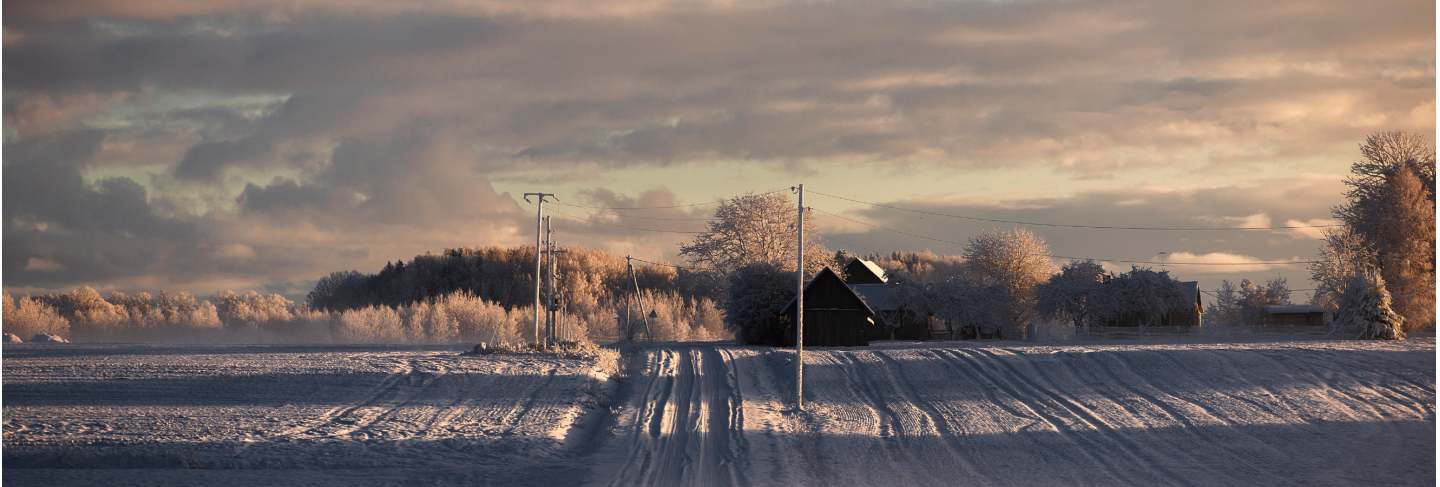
x=47 y=338
x=988 y=413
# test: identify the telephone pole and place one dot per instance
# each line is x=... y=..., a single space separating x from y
x=641 y=304
x=539 y=205
x=800 y=300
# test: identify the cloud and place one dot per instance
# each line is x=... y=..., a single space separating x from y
x=147 y=142
x=1218 y=262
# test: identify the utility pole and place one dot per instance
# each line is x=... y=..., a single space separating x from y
x=633 y=280
x=539 y=205
x=553 y=305
x=800 y=300
x=549 y=284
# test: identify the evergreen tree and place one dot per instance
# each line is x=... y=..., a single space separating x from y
x=1365 y=311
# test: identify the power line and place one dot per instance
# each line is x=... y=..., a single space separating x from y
x=664 y=207
x=570 y=217
x=685 y=267
x=1102 y=259
x=1064 y=225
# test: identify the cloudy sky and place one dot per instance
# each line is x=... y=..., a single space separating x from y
x=169 y=144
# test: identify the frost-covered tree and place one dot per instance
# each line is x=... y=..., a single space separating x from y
x=1076 y=294
x=1404 y=237
x=1343 y=255
x=27 y=317
x=1224 y=310
x=1144 y=296
x=750 y=229
x=757 y=293
x=1365 y=312
x=1016 y=261
x=1390 y=208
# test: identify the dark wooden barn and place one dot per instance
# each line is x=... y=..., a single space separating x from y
x=834 y=315
x=1294 y=315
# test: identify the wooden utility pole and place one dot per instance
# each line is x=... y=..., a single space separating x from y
x=539 y=205
x=800 y=300
x=641 y=304
x=553 y=304
x=549 y=285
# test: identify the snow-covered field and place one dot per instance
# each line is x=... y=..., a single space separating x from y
x=986 y=413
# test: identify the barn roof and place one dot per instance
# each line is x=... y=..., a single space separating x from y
x=1284 y=309
x=861 y=265
x=826 y=274
x=880 y=297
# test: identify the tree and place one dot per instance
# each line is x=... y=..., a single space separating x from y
x=1015 y=261
x=757 y=293
x=28 y=317
x=750 y=229
x=1390 y=209
x=1146 y=295
x=1075 y=294
x=1343 y=255
x=1404 y=238
x=1253 y=298
x=1365 y=312
x=1225 y=309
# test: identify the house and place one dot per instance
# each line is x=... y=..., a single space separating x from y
x=861 y=271
x=873 y=285
x=1293 y=315
x=835 y=316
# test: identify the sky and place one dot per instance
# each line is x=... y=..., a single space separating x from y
x=205 y=146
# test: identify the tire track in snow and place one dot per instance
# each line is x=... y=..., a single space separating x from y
x=1033 y=403
x=1082 y=413
x=1139 y=385
x=692 y=424
x=895 y=437
x=952 y=444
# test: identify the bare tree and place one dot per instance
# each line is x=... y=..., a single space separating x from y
x=1016 y=261
x=751 y=229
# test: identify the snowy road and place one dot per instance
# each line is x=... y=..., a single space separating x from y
x=986 y=413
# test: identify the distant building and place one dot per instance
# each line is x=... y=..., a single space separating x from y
x=873 y=285
x=1293 y=315
x=835 y=315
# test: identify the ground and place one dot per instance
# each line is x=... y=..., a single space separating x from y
x=985 y=413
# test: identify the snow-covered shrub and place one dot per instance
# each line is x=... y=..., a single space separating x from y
x=29 y=317
x=1364 y=310
x=371 y=324
x=478 y=320
x=165 y=311
x=253 y=310
x=13 y=338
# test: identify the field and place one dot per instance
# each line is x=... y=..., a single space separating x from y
x=986 y=413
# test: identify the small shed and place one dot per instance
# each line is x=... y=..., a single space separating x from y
x=1293 y=315
x=835 y=316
